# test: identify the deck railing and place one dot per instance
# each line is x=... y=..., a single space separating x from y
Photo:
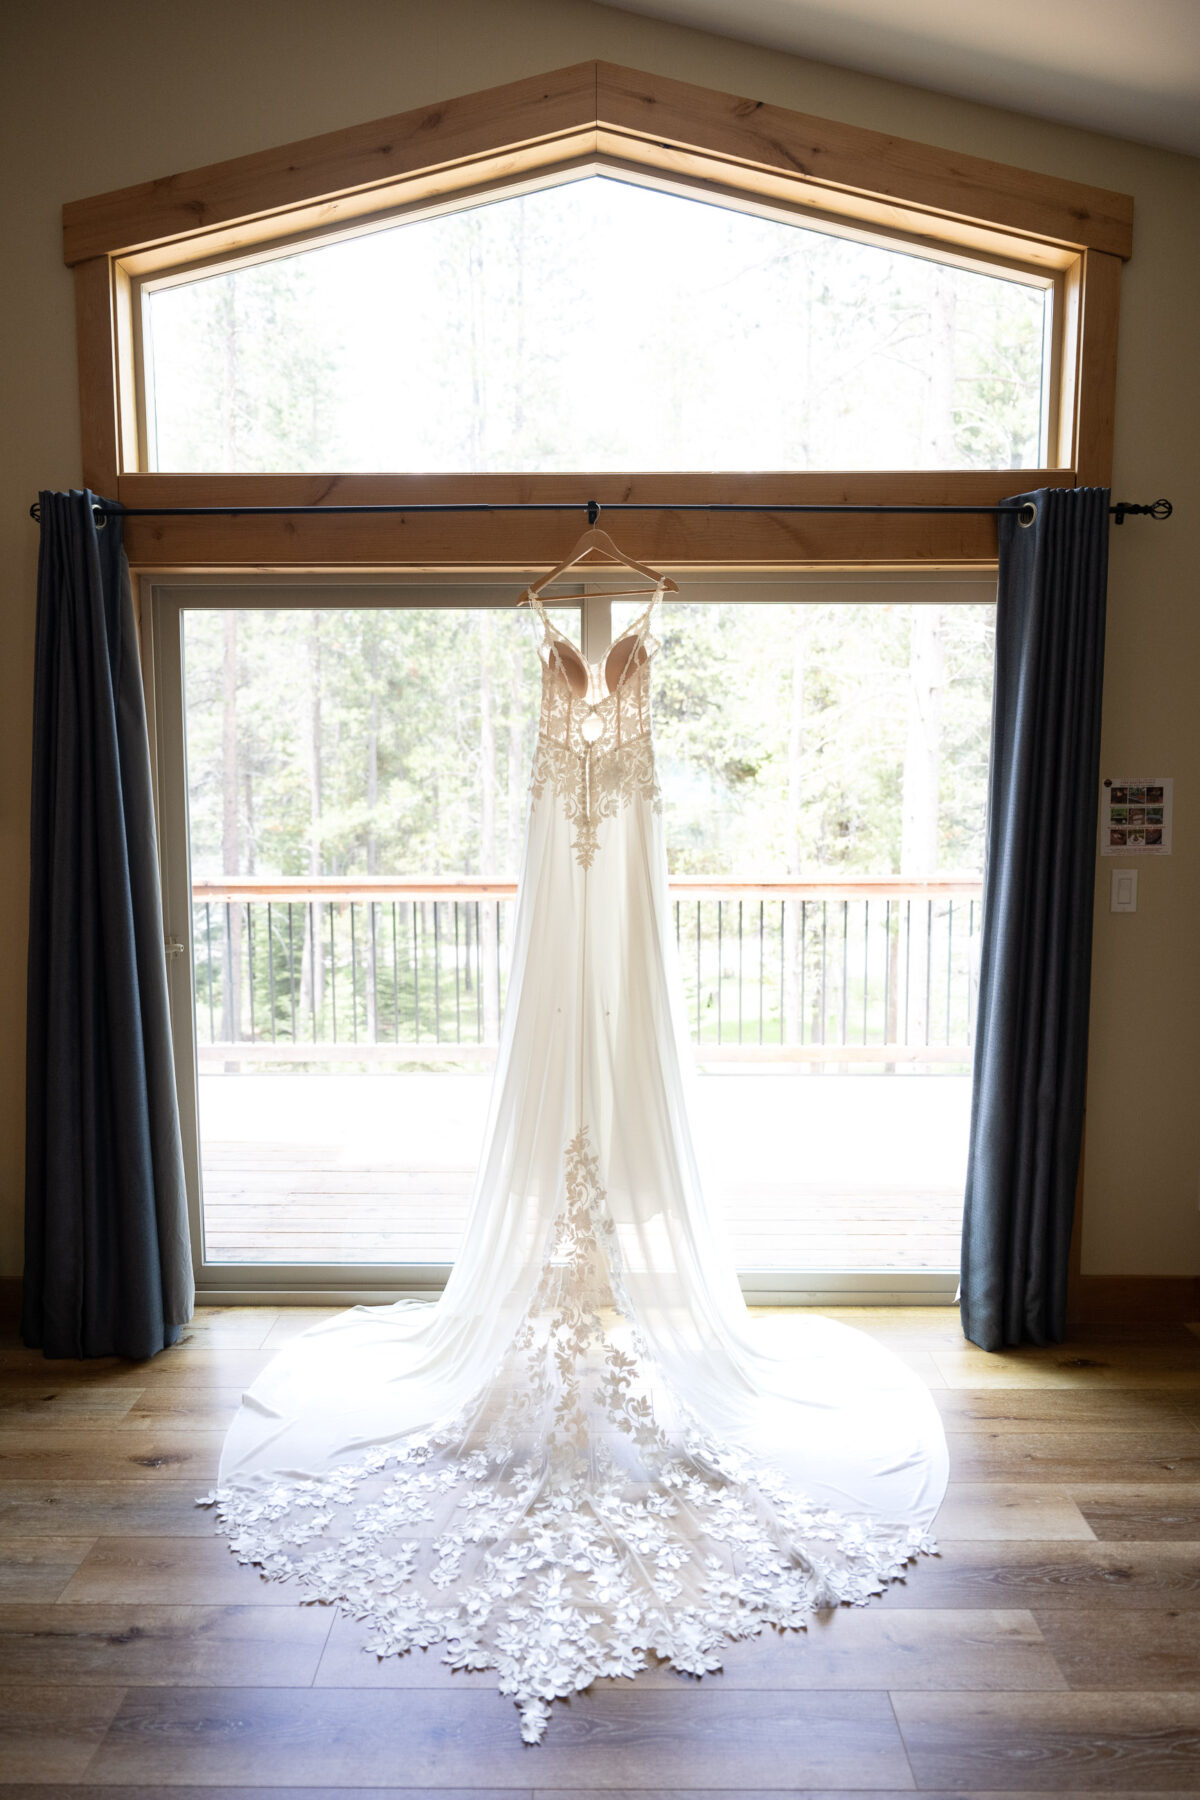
x=358 y=969
x=378 y=970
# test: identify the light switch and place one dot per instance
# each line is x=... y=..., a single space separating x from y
x=1124 y=891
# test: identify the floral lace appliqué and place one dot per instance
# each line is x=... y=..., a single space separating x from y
x=596 y=753
x=572 y=1522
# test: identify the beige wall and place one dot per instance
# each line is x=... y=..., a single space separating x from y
x=147 y=87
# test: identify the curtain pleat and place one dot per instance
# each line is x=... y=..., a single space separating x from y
x=1035 y=967
x=107 y=1259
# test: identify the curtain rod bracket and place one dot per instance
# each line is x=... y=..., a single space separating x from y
x=1158 y=509
x=593 y=509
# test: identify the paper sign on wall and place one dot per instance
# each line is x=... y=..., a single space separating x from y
x=1135 y=817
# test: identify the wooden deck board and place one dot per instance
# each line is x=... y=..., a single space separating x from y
x=811 y=1172
x=276 y=1203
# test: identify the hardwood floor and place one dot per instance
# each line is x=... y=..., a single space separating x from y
x=1053 y=1647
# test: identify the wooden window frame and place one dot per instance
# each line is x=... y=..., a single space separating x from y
x=592 y=113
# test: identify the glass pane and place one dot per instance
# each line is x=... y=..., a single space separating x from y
x=840 y=752
x=596 y=325
x=346 y=1036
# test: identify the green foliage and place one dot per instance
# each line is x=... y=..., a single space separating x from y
x=592 y=325
x=241 y=375
x=596 y=325
x=781 y=733
x=725 y=693
x=305 y=682
x=726 y=690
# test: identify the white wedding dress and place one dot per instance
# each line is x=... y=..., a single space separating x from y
x=585 y=1454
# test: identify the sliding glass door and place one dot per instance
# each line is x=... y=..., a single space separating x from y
x=343 y=780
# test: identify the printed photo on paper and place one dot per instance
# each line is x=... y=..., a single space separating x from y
x=1135 y=817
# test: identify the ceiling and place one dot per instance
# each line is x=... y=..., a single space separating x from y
x=1127 y=67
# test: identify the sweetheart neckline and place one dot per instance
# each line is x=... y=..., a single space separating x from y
x=598 y=667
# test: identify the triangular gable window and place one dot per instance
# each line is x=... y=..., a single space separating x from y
x=596 y=323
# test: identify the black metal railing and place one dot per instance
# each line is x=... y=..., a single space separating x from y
x=316 y=969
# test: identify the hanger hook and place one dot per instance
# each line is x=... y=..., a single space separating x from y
x=593 y=509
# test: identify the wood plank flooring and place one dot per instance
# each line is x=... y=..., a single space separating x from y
x=1052 y=1648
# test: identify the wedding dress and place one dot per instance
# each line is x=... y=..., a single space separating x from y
x=585 y=1454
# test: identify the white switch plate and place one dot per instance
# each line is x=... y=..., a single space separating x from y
x=1124 y=891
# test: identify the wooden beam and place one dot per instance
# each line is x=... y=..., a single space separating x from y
x=522 y=546
x=904 y=487
x=96 y=347
x=1096 y=394
x=356 y=159
x=1064 y=371
x=844 y=211
x=466 y=183
x=519 y=544
x=129 y=451
x=523 y=541
x=823 y=157
x=829 y=154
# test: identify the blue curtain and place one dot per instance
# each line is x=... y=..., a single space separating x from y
x=107 y=1258
x=1035 y=969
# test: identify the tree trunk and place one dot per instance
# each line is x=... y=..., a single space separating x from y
x=520 y=376
x=231 y=377
x=487 y=833
x=518 y=773
x=476 y=295
x=231 y=983
x=794 y=949
x=919 y=801
x=372 y=835
x=939 y=410
x=312 y=967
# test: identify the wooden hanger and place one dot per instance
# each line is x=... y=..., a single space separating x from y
x=595 y=539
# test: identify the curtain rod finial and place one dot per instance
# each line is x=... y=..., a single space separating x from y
x=1158 y=509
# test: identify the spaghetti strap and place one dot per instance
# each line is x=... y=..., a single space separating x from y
x=639 y=628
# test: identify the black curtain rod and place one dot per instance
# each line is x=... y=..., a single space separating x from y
x=1158 y=509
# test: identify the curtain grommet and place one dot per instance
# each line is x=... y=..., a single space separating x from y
x=1027 y=514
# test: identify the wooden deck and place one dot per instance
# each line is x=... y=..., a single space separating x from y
x=277 y=1202
x=810 y=1173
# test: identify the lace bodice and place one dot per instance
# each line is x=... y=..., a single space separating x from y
x=595 y=751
